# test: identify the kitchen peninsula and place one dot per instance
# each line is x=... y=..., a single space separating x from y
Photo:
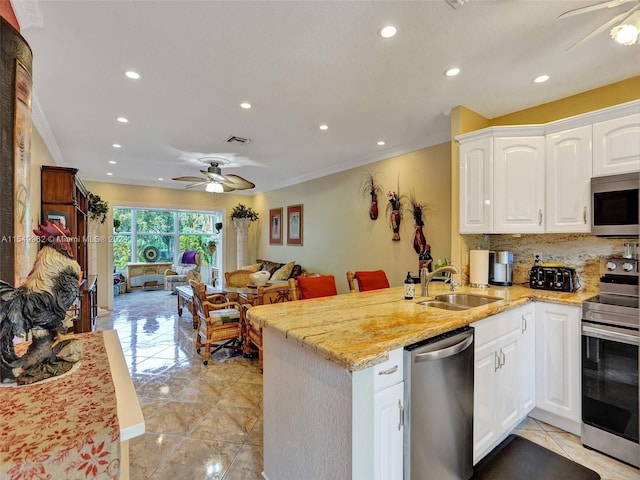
x=322 y=358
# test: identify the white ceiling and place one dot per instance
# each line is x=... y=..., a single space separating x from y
x=300 y=63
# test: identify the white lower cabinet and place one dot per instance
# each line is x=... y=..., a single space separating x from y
x=558 y=364
x=388 y=423
x=503 y=368
x=388 y=432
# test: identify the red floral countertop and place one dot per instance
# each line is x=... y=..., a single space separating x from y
x=65 y=428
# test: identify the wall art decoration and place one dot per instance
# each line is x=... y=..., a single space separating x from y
x=294 y=225
x=23 y=249
x=275 y=226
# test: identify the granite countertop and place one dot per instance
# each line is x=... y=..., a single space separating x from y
x=357 y=330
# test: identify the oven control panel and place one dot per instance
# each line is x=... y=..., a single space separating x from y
x=619 y=266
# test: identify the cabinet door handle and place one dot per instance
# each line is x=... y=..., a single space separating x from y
x=584 y=215
x=401 y=413
x=389 y=371
x=496 y=362
x=539 y=217
x=504 y=358
x=524 y=324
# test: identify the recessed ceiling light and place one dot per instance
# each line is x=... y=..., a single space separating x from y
x=245 y=105
x=541 y=79
x=323 y=127
x=122 y=120
x=452 y=72
x=109 y=173
x=112 y=162
x=116 y=145
x=161 y=179
x=381 y=142
x=132 y=75
x=388 y=31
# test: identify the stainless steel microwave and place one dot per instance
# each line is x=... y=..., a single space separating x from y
x=614 y=205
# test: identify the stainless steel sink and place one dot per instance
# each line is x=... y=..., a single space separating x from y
x=465 y=300
x=442 y=305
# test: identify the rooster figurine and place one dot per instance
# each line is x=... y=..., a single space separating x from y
x=38 y=309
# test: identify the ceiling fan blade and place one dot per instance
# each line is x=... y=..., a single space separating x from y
x=226 y=188
x=188 y=179
x=591 y=8
x=218 y=177
x=195 y=185
x=238 y=183
x=618 y=18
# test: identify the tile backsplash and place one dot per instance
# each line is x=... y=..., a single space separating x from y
x=580 y=251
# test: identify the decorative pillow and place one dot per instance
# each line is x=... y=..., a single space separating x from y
x=296 y=271
x=314 y=287
x=189 y=257
x=374 y=280
x=252 y=268
x=284 y=272
x=270 y=267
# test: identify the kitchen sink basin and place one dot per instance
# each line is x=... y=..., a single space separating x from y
x=465 y=300
x=442 y=305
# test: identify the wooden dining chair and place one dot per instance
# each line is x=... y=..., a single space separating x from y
x=367 y=280
x=253 y=333
x=219 y=324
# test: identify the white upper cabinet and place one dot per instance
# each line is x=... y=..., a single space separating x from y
x=518 y=185
x=536 y=178
x=616 y=146
x=568 y=174
x=476 y=185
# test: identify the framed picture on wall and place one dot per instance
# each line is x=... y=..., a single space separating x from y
x=294 y=225
x=275 y=226
x=57 y=216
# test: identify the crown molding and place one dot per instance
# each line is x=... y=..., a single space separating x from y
x=41 y=124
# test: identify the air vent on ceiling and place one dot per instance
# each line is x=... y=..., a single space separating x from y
x=240 y=140
x=456 y=3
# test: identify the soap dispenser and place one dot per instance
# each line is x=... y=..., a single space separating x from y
x=409 y=287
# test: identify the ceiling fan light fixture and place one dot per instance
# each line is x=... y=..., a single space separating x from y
x=214 y=187
x=625 y=34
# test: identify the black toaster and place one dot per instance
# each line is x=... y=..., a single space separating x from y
x=560 y=279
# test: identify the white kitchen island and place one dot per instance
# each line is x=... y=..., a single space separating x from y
x=321 y=359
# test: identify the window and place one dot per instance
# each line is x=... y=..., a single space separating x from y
x=169 y=231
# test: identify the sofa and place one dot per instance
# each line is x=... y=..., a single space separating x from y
x=186 y=268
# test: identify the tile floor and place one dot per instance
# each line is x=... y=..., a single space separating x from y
x=206 y=422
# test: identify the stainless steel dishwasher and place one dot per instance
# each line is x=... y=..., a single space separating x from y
x=439 y=415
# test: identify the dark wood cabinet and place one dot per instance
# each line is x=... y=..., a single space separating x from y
x=66 y=199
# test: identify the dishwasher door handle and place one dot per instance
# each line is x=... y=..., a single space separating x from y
x=445 y=352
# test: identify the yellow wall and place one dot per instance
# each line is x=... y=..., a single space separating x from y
x=338 y=234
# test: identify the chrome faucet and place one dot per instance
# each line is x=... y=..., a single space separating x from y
x=427 y=276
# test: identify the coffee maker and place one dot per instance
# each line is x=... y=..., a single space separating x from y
x=501 y=268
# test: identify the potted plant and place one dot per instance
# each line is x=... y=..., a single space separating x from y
x=211 y=246
x=98 y=208
x=241 y=211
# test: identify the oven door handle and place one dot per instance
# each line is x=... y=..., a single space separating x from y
x=608 y=317
x=607 y=334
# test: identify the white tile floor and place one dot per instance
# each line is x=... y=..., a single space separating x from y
x=206 y=422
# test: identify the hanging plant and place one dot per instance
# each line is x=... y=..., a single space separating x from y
x=370 y=186
x=395 y=210
x=98 y=208
x=420 y=244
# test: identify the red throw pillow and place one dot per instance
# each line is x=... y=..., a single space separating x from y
x=372 y=280
x=314 y=287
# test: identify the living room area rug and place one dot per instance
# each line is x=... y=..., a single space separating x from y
x=517 y=458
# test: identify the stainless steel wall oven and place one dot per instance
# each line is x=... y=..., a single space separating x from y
x=610 y=391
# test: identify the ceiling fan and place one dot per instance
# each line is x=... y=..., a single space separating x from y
x=625 y=26
x=214 y=180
